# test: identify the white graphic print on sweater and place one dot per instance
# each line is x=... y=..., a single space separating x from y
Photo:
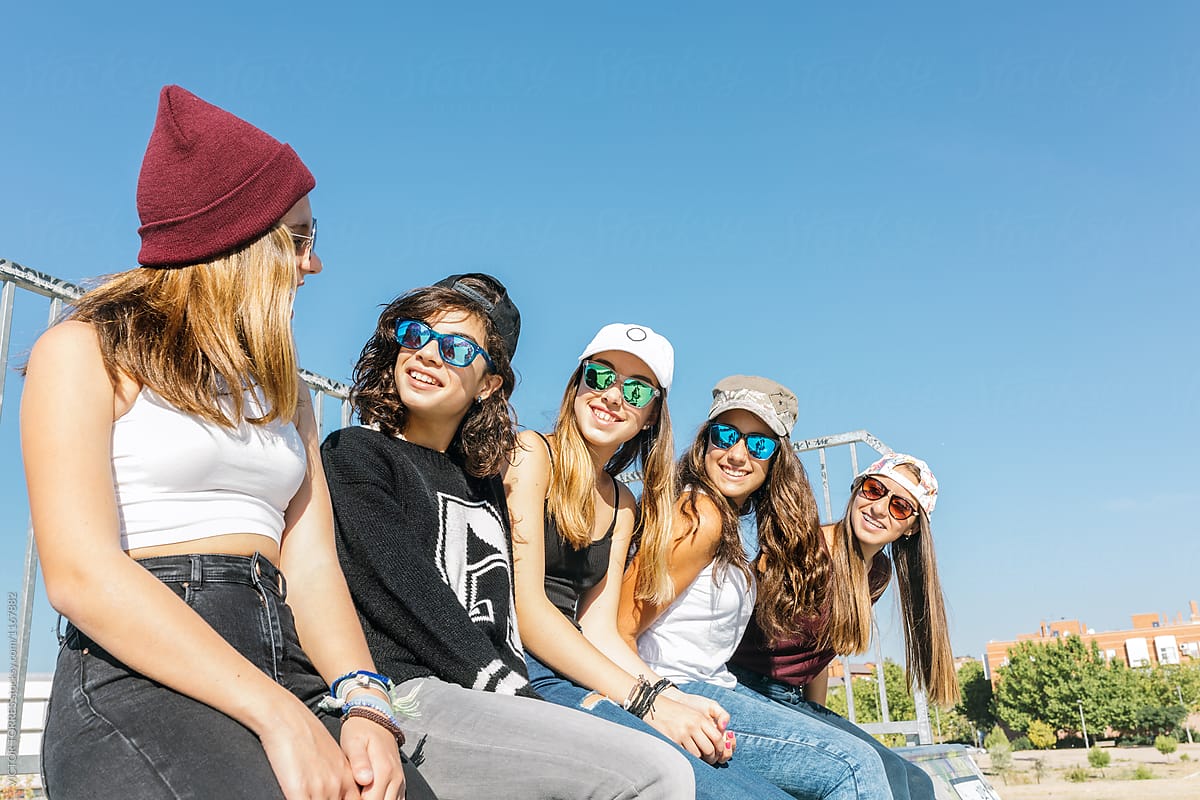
x=473 y=559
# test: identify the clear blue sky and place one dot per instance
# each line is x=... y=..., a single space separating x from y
x=969 y=229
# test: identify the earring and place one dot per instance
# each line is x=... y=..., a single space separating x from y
x=478 y=399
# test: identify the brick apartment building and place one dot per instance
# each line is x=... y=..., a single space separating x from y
x=1152 y=640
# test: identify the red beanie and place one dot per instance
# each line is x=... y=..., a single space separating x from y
x=210 y=182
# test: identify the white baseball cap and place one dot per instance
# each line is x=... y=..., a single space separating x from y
x=638 y=340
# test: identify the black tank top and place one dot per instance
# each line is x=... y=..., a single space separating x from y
x=570 y=573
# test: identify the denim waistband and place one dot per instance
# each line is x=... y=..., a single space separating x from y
x=764 y=684
x=198 y=569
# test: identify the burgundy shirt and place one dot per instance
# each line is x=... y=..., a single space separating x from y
x=797 y=660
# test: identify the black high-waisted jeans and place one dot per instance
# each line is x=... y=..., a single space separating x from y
x=113 y=733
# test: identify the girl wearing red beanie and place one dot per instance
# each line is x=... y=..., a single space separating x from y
x=174 y=479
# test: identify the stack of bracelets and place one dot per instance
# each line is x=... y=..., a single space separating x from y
x=365 y=704
x=641 y=697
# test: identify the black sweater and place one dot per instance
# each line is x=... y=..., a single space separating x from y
x=426 y=550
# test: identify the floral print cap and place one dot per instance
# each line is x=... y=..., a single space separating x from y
x=925 y=491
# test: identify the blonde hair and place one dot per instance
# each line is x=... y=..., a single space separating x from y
x=199 y=335
x=928 y=657
x=570 y=502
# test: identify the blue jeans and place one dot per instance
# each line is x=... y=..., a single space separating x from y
x=113 y=733
x=795 y=752
x=908 y=781
x=726 y=782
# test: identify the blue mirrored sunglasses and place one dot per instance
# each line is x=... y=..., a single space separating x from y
x=455 y=349
x=758 y=445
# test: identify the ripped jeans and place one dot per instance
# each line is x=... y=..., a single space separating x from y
x=725 y=782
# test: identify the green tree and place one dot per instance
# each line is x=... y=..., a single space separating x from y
x=835 y=701
x=866 y=696
x=1168 y=682
x=1147 y=699
x=999 y=752
x=900 y=699
x=1041 y=735
x=975 y=696
x=1165 y=745
x=866 y=701
x=995 y=738
x=1132 y=691
x=1001 y=758
x=1159 y=720
x=1099 y=759
x=954 y=726
x=1047 y=681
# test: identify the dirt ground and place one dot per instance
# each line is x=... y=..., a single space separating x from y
x=1174 y=779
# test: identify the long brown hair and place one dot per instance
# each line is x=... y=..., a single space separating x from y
x=487 y=433
x=928 y=657
x=791 y=562
x=570 y=501
x=198 y=335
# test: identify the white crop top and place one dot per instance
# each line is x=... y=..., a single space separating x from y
x=696 y=635
x=179 y=478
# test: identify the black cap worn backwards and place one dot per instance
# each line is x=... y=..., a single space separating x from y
x=503 y=313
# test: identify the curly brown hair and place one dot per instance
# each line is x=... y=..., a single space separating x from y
x=487 y=434
x=792 y=565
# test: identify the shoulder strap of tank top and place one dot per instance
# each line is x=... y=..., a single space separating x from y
x=612 y=526
x=545 y=441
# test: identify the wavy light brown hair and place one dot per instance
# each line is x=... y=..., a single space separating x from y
x=195 y=334
x=928 y=657
x=487 y=433
x=571 y=505
x=787 y=572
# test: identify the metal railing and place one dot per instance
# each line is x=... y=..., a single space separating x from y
x=60 y=293
x=916 y=731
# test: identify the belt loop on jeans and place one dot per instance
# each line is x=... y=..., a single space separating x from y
x=275 y=582
x=196 y=579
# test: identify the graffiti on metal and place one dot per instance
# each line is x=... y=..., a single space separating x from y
x=39 y=282
x=821 y=442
